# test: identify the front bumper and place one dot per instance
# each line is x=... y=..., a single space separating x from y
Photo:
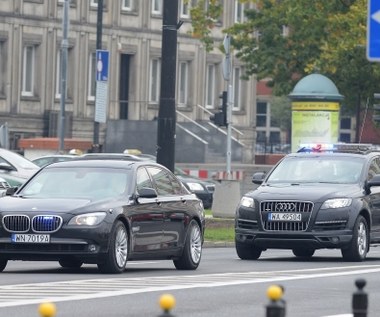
x=289 y=240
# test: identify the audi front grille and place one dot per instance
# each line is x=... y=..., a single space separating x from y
x=294 y=207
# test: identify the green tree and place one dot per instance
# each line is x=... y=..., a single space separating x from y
x=285 y=40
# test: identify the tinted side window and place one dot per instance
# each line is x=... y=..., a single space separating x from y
x=143 y=179
x=162 y=180
x=374 y=168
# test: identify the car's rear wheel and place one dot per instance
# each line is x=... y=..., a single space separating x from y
x=192 y=252
x=247 y=251
x=358 y=248
x=303 y=252
x=3 y=264
x=117 y=256
x=71 y=264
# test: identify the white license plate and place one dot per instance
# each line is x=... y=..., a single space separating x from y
x=30 y=238
x=284 y=216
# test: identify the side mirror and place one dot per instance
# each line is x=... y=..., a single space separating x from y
x=10 y=191
x=374 y=181
x=258 y=178
x=6 y=167
x=147 y=192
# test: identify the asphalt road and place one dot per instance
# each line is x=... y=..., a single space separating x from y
x=222 y=286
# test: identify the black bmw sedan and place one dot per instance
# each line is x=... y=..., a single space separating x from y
x=102 y=212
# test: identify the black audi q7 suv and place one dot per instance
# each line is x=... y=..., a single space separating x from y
x=313 y=199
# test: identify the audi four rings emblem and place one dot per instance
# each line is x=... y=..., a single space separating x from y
x=285 y=207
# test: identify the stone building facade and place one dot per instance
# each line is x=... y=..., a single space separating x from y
x=30 y=59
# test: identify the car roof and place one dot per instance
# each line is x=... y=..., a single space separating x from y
x=110 y=156
x=101 y=163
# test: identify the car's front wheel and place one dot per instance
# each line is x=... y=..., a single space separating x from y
x=303 y=252
x=117 y=256
x=192 y=252
x=358 y=248
x=247 y=251
x=3 y=264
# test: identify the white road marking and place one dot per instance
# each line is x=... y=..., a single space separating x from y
x=26 y=294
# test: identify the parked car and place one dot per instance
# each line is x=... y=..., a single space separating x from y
x=48 y=159
x=15 y=168
x=102 y=212
x=318 y=198
x=204 y=189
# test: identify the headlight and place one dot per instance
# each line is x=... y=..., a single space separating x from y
x=247 y=202
x=195 y=187
x=92 y=219
x=336 y=203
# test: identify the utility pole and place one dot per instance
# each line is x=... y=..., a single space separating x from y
x=63 y=79
x=166 y=113
x=227 y=77
x=99 y=28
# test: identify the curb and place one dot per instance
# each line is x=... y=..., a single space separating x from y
x=218 y=244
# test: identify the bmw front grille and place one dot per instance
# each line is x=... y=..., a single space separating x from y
x=40 y=223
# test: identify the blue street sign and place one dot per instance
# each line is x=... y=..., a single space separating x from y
x=373 y=30
x=102 y=58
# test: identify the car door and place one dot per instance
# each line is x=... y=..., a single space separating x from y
x=146 y=218
x=173 y=205
x=374 y=168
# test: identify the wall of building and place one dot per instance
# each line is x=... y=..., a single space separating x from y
x=135 y=34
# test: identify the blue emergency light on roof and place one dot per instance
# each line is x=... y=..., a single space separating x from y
x=337 y=147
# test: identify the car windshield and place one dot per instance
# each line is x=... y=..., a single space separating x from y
x=319 y=169
x=88 y=183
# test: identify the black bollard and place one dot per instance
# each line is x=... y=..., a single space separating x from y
x=360 y=300
x=276 y=306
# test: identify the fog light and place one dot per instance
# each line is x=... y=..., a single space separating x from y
x=92 y=248
x=335 y=240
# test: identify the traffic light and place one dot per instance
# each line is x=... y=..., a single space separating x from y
x=376 y=109
x=220 y=117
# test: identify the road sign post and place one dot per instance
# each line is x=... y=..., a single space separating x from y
x=373 y=30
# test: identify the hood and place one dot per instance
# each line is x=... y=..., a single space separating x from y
x=21 y=204
x=310 y=191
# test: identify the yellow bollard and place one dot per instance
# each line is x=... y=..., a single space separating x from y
x=167 y=302
x=47 y=309
x=276 y=306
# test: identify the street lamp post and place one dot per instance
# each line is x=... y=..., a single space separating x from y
x=99 y=30
x=63 y=79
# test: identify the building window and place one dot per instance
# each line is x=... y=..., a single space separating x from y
x=239 y=12
x=127 y=5
x=154 y=87
x=210 y=86
x=183 y=83
x=29 y=55
x=236 y=88
x=94 y=3
x=185 y=9
x=157 y=7
x=92 y=77
x=3 y=64
x=69 y=71
x=261 y=114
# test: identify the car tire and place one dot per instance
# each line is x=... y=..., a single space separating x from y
x=247 y=251
x=3 y=264
x=192 y=252
x=70 y=264
x=359 y=246
x=117 y=255
x=303 y=252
